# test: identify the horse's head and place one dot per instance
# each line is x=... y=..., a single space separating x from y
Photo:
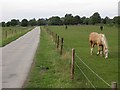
x=106 y=52
x=105 y=44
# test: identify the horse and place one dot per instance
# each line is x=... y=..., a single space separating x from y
x=101 y=28
x=99 y=40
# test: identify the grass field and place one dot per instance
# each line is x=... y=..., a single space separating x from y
x=58 y=74
x=9 y=34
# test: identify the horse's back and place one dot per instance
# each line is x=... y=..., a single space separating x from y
x=93 y=36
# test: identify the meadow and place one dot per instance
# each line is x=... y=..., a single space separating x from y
x=52 y=70
x=9 y=34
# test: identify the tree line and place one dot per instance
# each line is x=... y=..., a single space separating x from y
x=68 y=19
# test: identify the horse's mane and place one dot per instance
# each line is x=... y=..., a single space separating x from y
x=104 y=40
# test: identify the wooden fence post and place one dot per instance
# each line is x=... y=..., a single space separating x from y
x=61 y=51
x=72 y=64
x=56 y=38
x=114 y=86
x=58 y=42
x=49 y=32
x=12 y=31
x=52 y=34
x=6 y=33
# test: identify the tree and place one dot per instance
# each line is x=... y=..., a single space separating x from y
x=76 y=19
x=3 y=24
x=8 y=24
x=86 y=21
x=106 y=20
x=63 y=20
x=55 y=21
x=116 y=20
x=82 y=20
x=69 y=20
x=41 y=22
x=14 y=22
x=95 y=18
x=33 y=22
x=24 y=22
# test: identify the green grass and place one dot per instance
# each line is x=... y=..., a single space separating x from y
x=58 y=74
x=9 y=34
x=77 y=37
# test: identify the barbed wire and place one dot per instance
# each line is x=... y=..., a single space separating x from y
x=92 y=70
x=85 y=76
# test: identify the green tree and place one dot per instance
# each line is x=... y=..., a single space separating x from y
x=69 y=19
x=86 y=21
x=41 y=22
x=24 y=22
x=63 y=20
x=14 y=22
x=106 y=20
x=82 y=20
x=76 y=19
x=3 y=24
x=55 y=21
x=116 y=20
x=8 y=24
x=33 y=22
x=95 y=18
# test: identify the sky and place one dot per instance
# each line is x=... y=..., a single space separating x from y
x=29 y=9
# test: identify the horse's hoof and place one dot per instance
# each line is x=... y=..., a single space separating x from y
x=97 y=54
x=106 y=57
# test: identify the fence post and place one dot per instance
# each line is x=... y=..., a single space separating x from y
x=52 y=34
x=49 y=31
x=58 y=42
x=6 y=33
x=61 y=46
x=72 y=64
x=16 y=31
x=114 y=86
x=12 y=32
x=56 y=38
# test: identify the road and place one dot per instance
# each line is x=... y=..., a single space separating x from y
x=17 y=58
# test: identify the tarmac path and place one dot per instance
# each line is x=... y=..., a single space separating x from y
x=17 y=58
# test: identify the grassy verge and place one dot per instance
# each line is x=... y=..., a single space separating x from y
x=13 y=33
x=51 y=70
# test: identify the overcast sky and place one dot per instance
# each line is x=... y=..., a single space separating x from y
x=19 y=9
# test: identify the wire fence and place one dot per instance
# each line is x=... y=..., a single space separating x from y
x=59 y=45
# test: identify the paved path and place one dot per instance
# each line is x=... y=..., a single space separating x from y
x=17 y=58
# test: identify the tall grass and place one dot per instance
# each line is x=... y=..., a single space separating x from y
x=9 y=34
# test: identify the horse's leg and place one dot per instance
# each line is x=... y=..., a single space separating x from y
x=98 y=49
x=101 y=52
x=91 y=48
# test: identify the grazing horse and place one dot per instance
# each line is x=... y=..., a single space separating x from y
x=101 y=28
x=100 y=41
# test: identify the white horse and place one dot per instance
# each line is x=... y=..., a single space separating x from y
x=99 y=40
